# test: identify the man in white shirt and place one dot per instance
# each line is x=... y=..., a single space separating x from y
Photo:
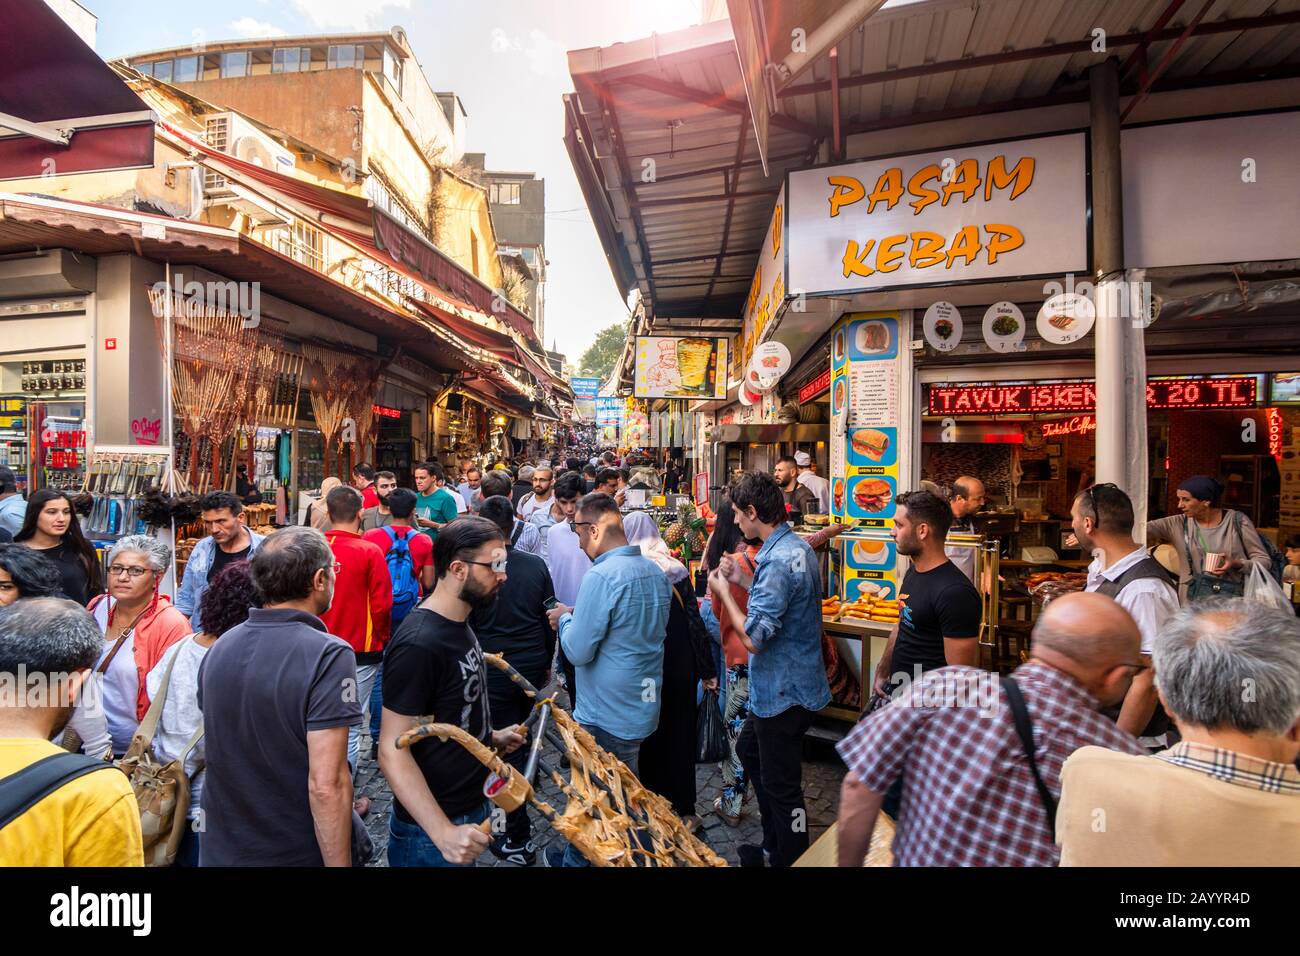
x=813 y=481
x=1102 y=518
x=543 y=495
x=967 y=499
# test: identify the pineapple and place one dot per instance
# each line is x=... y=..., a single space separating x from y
x=685 y=536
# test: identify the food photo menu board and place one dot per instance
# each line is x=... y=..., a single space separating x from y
x=865 y=376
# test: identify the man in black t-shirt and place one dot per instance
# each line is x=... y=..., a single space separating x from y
x=434 y=670
x=939 y=608
x=515 y=626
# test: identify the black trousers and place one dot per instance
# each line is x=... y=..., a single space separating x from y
x=771 y=751
x=510 y=706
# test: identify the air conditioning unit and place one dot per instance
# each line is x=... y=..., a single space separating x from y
x=232 y=134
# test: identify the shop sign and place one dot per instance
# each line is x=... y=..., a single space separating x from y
x=1052 y=397
x=384 y=411
x=1275 y=433
x=767 y=290
x=814 y=388
x=609 y=411
x=962 y=214
x=682 y=367
x=1079 y=425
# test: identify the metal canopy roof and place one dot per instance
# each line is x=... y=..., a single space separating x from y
x=659 y=132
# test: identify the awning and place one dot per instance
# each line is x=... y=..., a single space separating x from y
x=62 y=108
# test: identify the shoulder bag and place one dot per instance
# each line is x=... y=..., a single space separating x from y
x=1025 y=730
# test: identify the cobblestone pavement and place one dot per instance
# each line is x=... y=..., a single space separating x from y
x=822 y=773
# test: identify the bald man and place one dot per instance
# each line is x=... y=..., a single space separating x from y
x=969 y=796
x=967 y=498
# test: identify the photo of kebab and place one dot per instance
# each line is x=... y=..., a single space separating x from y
x=873 y=495
x=869 y=443
x=1062 y=322
x=943 y=328
x=872 y=337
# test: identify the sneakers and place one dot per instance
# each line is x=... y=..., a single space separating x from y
x=553 y=856
x=751 y=854
x=520 y=854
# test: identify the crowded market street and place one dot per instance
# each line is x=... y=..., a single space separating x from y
x=837 y=436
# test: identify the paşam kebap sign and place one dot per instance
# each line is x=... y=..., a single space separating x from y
x=961 y=214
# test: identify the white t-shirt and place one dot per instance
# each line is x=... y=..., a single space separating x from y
x=530 y=503
x=1150 y=601
x=120 y=685
x=181 y=715
x=461 y=507
x=818 y=486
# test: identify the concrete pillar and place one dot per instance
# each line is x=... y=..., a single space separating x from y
x=1120 y=359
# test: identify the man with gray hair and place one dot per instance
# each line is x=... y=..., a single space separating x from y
x=523 y=486
x=56 y=808
x=981 y=763
x=1228 y=794
x=278 y=695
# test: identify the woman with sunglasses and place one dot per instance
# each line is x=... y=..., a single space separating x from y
x=139 y=625
x=50 y=527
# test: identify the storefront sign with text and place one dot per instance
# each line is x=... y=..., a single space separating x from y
x=1238 y=392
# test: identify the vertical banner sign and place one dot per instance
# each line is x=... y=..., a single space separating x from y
x=865 y=373
x=767 y=291
x=609 y=417
x=584 y=398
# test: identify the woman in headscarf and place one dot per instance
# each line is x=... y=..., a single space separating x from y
x=668 y=755
x=317 y=515
x=1205 y=527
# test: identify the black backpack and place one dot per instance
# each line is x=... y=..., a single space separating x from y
x=21 y=791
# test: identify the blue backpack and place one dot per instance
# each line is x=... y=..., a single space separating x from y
x=401 y=568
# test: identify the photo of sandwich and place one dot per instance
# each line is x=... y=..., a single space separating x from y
x=870 y=443
x=837 y=496
x=873 y=495
x=872 y=337
x=870 y=552
x=943 y=329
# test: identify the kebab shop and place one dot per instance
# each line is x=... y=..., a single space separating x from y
x=1033 y=445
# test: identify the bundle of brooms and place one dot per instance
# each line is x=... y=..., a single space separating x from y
x=609 y=817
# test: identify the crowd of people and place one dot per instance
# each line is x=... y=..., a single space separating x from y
x=1170 y=708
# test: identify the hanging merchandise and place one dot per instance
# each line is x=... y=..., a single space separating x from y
x=113 y=495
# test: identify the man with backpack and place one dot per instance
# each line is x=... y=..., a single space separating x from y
x=56 y=808
x=1102 y=518
x=409 y=556
x=361 y=611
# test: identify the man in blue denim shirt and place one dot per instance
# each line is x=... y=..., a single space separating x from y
x=229 y=540
x=615 y=637
x=787 y=679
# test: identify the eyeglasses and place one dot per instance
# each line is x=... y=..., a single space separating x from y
x=575 y=525
x=117 y=570
x=499 y=565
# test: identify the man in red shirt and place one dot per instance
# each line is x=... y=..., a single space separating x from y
x=363 y=479
x=363 y=600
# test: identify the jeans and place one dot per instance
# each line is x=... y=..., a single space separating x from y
x=626 y=751
x=771 y=752
x=376 y=703
x=365 y=683
x=410 y=846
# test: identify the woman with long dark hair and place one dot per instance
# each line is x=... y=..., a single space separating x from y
x=50 y=527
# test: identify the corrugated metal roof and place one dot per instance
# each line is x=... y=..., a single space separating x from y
x=661 y=120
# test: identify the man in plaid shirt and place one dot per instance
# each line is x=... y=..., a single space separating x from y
x=969 y=797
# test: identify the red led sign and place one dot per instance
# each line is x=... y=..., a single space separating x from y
x=814 y=388
x=1082 y=396
x=384 y=411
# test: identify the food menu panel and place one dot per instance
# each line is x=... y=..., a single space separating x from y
x=864 y=448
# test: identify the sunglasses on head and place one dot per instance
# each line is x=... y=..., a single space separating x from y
x=1092 y=496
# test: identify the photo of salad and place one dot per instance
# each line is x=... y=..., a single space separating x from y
x=1006 y=325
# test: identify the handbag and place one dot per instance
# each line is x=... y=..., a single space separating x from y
x=1202 y=585
x=161 y=789
x=710 y=737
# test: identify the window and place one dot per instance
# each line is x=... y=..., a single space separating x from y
x=346 y=57
x=393 y=69
x=503 y=194
x=303 y=243
x=291 y=59
x=162 y=70
x=234 y=64
x=145 y=68
x=185 y=69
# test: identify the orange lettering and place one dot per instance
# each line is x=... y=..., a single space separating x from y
x=1002 y=238
x=847 y=191
x=965 y=180
x=927 y=250
x=888 y=255
x=916 y=186
x=855 y=263
x=889 y=189
x=966 y=244
x=1020 y=178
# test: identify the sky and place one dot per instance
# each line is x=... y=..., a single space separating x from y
x=507 y=61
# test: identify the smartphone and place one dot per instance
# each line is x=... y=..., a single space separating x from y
x=549 y=603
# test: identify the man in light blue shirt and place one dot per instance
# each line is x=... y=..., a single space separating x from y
x=12 y=506
x=615 y=636
x=787 y=680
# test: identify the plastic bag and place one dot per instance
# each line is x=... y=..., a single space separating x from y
x=710 y=736
x=1262 y=588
